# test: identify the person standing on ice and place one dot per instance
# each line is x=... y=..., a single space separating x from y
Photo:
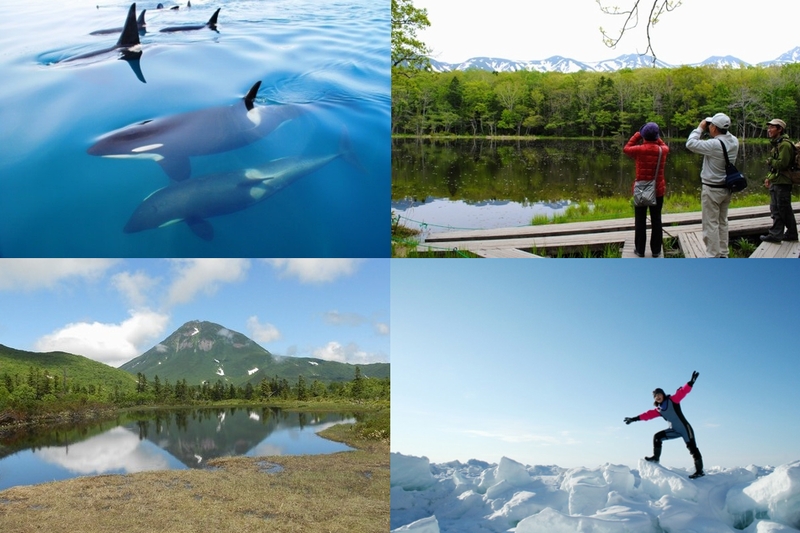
x=669 y=408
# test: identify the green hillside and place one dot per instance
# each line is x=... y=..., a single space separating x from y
x=202 y=351
x=79 y=371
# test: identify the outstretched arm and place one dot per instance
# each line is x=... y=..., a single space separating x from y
x=647 y=415
x=681 y=393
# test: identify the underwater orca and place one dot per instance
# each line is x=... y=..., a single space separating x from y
x=196 y=200
x=171 y=140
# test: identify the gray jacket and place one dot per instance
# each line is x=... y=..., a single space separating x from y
x=713 y=172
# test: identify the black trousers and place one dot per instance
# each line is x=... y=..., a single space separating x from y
x=668 y=434
x=780 y=207
x=640 y=234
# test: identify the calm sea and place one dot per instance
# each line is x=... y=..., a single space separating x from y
x=58 y=201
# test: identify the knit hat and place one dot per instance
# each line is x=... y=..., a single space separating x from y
x=659 y=391
x=650 y=131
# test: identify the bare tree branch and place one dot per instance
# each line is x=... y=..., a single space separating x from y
x=631 y=16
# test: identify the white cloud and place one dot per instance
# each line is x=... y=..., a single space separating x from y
x=112 y=344
x=381 y=328
x=333 y=351
x=335 y=318
x=315 y=270
x=203 y=275
x=134 y=286
x=32 y=274
x=262 y=332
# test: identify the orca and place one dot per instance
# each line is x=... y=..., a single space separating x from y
x=196 y=200
x=212 y=24
x=128 y=44
x=171 y=140
x=140 y=24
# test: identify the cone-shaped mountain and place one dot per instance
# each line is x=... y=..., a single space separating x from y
x=204 y=351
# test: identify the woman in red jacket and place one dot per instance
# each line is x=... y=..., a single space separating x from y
x=650 y=154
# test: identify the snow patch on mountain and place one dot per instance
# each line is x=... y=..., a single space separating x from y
x=569 y=65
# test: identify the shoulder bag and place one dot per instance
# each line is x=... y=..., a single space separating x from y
x=644 y=191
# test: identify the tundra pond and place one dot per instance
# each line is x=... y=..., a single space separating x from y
x=161 y=440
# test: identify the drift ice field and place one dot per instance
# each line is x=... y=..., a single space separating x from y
x=477 y=497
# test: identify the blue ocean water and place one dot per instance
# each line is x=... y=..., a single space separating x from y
x=56 y=200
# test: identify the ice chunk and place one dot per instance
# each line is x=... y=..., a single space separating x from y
x=776 y=496
x=411 y=473
x=619 y=478
x=426 y=525
x=765 y=526
x=521 y=505
x=658 y=481
x=513 y=472
x=588 y=490
x=619 y=521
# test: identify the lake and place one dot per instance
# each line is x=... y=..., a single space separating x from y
x=161 y=440
x=477 y=184
x=332 y=59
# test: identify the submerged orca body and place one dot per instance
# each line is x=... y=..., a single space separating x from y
x=128 y=43
x=211 y=24
x=140 y=24
x=171 y=140
x=196 y=200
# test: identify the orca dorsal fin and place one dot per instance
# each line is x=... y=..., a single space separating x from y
x=130 y=32
x=140 y=21
x=251 y=95
x=212 y=22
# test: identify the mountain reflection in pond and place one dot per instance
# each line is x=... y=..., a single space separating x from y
x=162 y=440
x=477 y=184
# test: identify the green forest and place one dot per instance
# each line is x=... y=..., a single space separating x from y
x=592 y=104
x=39 y=392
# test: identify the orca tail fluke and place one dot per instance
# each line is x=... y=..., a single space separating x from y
x=251 y=95
x=212 y=22
x=130 y=32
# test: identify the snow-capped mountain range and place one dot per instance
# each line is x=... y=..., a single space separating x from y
x=566 y=64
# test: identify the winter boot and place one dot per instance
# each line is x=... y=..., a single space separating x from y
x=656 y=450
x=698 y=462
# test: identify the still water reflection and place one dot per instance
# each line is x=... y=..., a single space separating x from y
x=162 y=440
x=484 y=184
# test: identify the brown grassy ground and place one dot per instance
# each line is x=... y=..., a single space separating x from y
x=345 y=492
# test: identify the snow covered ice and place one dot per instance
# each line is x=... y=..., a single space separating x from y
x=510 y=497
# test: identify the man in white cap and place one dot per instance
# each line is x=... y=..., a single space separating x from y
x=715 y=196
x=779 y=184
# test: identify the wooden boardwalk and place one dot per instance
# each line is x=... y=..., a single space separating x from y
x=576 y=237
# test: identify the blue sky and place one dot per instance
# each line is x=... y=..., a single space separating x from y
x=511 y=29
x=540 y=361
x=114 y=310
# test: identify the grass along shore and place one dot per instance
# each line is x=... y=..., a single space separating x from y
x=335 y=493
x=405 y=240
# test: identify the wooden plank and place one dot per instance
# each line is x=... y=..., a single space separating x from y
x=692 y=245
x=629 y=253
x=774 y=250
x=504 y=253
x=672 y=224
